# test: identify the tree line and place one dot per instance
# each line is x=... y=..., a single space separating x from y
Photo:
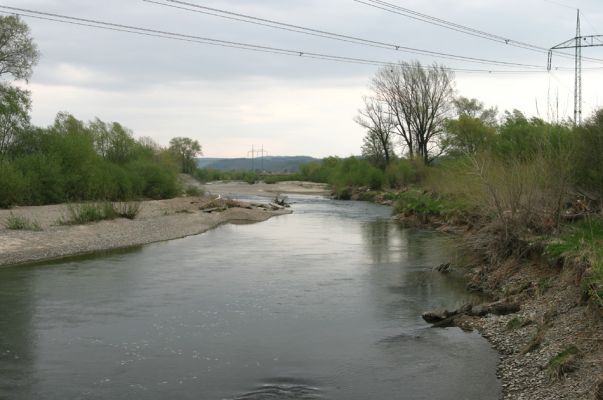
x=73 y=160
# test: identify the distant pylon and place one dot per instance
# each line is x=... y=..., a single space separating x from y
x=577 y=43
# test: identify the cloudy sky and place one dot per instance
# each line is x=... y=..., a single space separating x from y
x=230 y=99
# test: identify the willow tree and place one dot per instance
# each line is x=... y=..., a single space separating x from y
x=420 y=101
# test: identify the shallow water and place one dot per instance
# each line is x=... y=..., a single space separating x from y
x=321 y=304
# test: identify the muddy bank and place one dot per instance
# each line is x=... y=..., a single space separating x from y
x=157 y=221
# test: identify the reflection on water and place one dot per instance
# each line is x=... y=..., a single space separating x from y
x=321 y=304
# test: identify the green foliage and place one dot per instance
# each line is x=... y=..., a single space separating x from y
x=78 y=214
x=421 y=204
x=21 y=223
x=589 y=173
x=577 y=237
x=185 y=151
x=194 y=191
x=342 y=173
x=74 y=161
x=127 y=209
x=18 y=52
x=564 y=362
x=15 y=105
x=583 y=241
x=84 y=213
x=12 y=185
x=467 y=135
x=402 y=173
x=212 y=175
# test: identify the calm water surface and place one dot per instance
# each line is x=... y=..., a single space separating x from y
x=321 y=304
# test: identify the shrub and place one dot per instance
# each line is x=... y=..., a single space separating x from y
x=12 y=185
x=565 y=361
x=129 y=210
x=20 y=223
x=194 y=191
x=78 y=214
x=418 y=203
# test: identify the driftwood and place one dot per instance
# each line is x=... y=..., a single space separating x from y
x=445 y=318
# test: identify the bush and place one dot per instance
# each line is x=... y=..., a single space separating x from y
x=194 y=191
x=402 y=173
x=129 y=210
x=20 y=223
x=12 y=185
x=565 y=361
x=74 y=161
x=418 y=203
x=78 y=214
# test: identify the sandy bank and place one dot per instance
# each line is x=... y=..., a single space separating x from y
x=158 y=221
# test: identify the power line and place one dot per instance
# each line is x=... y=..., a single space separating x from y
x=408 y=13
x=224 y=43
x=230 y=15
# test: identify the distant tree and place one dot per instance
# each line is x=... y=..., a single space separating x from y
x=472 y=130
x=474 y=108
x=149 y=144
x=15 y=104
x=420 y=100
x=185 y=150
x=377 y=147
x=18 y=52
x=467 y=135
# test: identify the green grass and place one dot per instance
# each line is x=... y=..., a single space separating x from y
x=85 y=213
x=564 y=362
x=79 y=214
x=583 y=241
x=20 y=223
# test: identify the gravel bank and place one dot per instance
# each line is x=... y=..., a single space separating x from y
x=158 y=221
x=553 y=317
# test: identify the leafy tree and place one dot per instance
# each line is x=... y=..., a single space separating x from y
x=467 y=135
x=474 y=108
x=15 y=104
x=18 y=52
x=473 y=130
x=185 y=150
x=378 y=147
x=420 y=100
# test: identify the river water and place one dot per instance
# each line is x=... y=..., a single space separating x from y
x=321 y=304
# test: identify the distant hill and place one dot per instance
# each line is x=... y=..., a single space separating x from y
x=268 y=164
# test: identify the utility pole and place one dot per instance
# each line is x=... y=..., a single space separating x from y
x=254 y=153
x=577 y=43
x=252 y=157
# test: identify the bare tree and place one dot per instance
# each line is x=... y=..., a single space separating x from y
x=378 y=122
x=420 y=100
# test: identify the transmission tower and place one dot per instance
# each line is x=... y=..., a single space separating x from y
x=577 y=43
x=254 y=153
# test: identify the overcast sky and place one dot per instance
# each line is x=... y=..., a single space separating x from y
x=230 y=99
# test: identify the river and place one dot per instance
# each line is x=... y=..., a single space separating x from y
x=324 y=303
